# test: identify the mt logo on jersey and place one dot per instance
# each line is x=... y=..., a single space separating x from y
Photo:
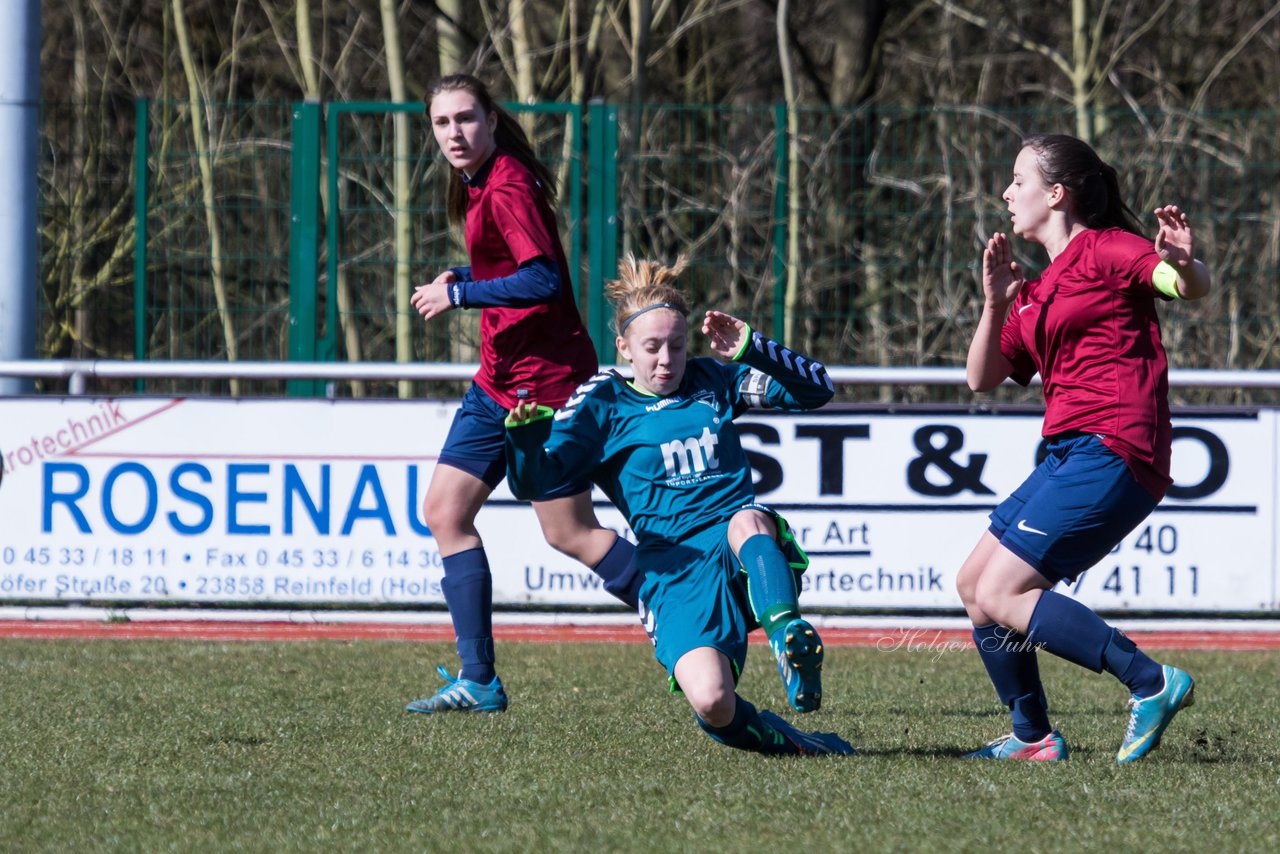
x=694 y=455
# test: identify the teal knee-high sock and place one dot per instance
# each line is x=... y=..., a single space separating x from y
x=771 y=585
x=748 y=732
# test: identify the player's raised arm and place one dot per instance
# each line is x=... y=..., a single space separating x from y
x=780 y=378
x=546 y=448
x=986 y=367
x=1180 y=275
x=535 y=282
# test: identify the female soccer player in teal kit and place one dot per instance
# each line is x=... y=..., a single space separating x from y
x=1088 y=326
x=663 y=447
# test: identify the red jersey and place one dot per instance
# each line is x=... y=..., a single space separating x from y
x=1088 y=325
x=543 y=351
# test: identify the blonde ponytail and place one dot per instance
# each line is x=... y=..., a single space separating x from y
x=645 y=285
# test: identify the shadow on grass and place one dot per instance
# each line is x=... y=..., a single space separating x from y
x=905 y=712
x=912 y=752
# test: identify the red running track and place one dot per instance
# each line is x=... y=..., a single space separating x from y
x=918 y=640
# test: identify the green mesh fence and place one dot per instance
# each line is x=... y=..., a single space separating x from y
x=700 y=182
x=218 y=237
x=882 y=210
x=86 y=237
x=892 y=207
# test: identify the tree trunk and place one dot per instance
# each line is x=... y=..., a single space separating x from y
x=306 y=53
x=522 y=52
x=582 y=65
x=855 y=72
x=80 y=99
x=1080 y=69
x=452 y=49
x=641 y=19
x=340 y=290
x=400 y=193
x=792 y=294
x=206 y=186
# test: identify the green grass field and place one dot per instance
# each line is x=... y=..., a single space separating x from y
x=183 y=745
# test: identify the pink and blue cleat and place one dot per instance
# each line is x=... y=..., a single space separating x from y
x=1051 y=748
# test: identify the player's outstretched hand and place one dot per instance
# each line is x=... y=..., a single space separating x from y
x=1175 y=243
x=522 y=412
x=726 y=333
x=1001 y=275
x=432 y=298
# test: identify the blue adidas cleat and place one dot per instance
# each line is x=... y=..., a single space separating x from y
x=462 y=695
x=809 y=743
x=1051 y=748
x=1149 y=717
x=798 y=650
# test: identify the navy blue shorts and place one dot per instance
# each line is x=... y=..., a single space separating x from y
x=477 y=444
x=1073 y=509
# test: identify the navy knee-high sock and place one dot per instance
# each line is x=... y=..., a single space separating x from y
x=622 y=578
x=748 y=732
x=468 y=591
x=1071 y=630
x=1141 y=675
x=1011 y=663
x=771 y=585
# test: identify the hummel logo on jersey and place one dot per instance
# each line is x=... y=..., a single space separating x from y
x=663 y=404
x=691 y=456
x=1023 y=526
x=705 y=396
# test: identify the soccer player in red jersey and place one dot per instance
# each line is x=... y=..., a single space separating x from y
x=1089 y=327
x=533 y=348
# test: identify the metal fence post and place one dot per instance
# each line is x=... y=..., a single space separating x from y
x=602 y=220
x=571 y=191
x=304 y=240
x=327 y=349
x=574 y=192
x=327 y=346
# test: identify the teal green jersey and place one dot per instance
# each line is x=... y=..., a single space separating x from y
x=672 y=465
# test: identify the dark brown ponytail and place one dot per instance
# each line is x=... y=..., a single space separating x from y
x=1094 y=186
x=509 y=136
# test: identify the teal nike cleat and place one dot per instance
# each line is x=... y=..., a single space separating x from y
x=798 y=650
x=462 y=695
x=1051 y=748
x=1148 y=717
x=809 y=743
